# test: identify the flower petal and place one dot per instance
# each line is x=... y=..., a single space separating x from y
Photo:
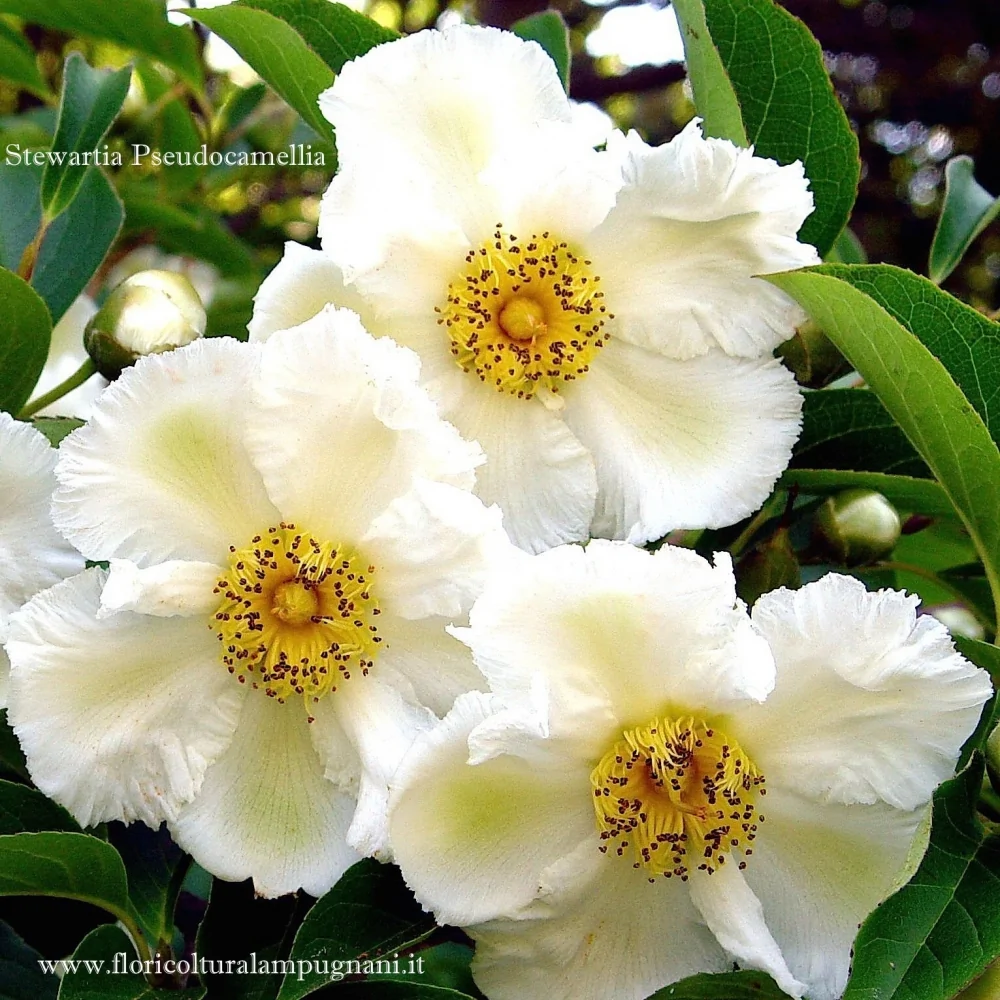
x=473 y=842
x=265 y=810
x=432 y=548
x=161 y=471
x=616 y=938
x=696 y=219
x=176 y=587
x=118 y=717
x=682 y=444
x=819 y=870
x=302 y=283
x=340 y=427
x=613 y=635
x=871 y=703
x=735 y=916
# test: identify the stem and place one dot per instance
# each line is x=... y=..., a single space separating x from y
x=756 y=523
x=931 y=576
x=128 y=922
x=78 y=377
x=26 y=266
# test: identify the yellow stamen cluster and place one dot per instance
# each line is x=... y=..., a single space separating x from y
x=525 y=315
x=297 y=614
x=680 y=794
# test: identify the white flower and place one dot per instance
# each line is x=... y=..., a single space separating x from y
x=32 y=554
x=575 y=310
x=658 y=788
x=289 y=530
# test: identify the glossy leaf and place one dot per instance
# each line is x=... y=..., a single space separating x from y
x=943 y=927
x=25 y=335
x=18 y=63
x=921 y=396
x=26 y=810
x=722 y=986
x=21 y=977
x=368 y=913
x=788 y=105
x=90 y=102
x=714 y=96
x=914 y=496
x=548 y=29
x=967 y=210
x=135 y=24
x=20 y=210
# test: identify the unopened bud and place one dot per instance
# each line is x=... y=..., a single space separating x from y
x=148 y=313
x=857 y=527
x=812 y=357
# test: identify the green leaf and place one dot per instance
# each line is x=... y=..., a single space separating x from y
x=21 y=977
x=722 y=986
x=56 y=428
x=914 y=496
x=393 y=989
x=107 y=945
x=967 y=210
x=987 y=656
x=788 y=105
x=367 y=914
x=851 y=429
x=17 y=62
x=68 y=865
x=966 y=342
x=942 y=928
x=714 y=96
x=77 y=242
x=20 y=211
x=26 y=810
x=134 y=24
x=11 y=756
x=847 y=249
x=25 y=335
x=921 y=396
x=90 y=102
x=548 y=29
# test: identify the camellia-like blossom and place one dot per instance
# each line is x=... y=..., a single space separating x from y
x=592 y=318
x=289 y=528
x=657 y=787
x=33 y=556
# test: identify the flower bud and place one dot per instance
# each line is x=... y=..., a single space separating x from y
x=857 y=527
x=148 y=313
x=812 y=357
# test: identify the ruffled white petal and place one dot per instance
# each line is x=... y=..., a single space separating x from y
x=33 y=556
x=340 y=428
x=433 y=548
x=302 y=283
x=474 y=841
x=176 y=587
x=682 y=444
x=871 y=703
x=819 y=870
x=161 y=471
x=696 y=220
x=616 y=937
x=614 y=635
x=265 y=810
x=118 y=717
x=735 y=916
x=66 y=355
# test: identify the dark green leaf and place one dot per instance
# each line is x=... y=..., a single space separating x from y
x=788 y=104
x=921 y=395
x=77 y=242
x=11 y=756
x=111 y=947
x=56 y=428
x=21 y=977
x=393 y=989
x=987 y=656
x=851 y=429
x=25 y=335
x=17 y=62
x=90 y=102
x=714 y=96
x=231 y=307
x=369 y=913
x=722 y=986
x=967 y=210
x=914 y=496
x=548 y=29
x=847 y=249
x=20 y=211
x=966 y=342
x=70 y=865
x=770 y=564
x=943 y=927
x=135 y=24
x=26 y=810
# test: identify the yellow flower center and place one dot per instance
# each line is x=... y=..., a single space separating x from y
x=525 y=315
x=296 y=616
x=680 y=793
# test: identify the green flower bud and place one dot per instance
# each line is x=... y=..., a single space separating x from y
x=857 y=527
x=148 y=313
x=812 y=357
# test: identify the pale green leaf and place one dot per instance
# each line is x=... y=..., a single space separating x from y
x=25 y=334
